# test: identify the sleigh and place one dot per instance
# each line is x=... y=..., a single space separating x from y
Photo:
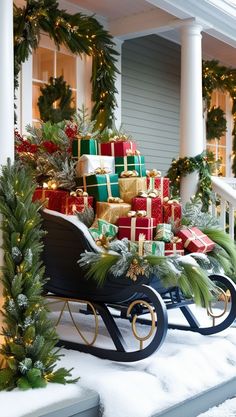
x=145 y=306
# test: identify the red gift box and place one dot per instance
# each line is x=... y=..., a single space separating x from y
x=172 y=248
x=153 y=207
x=132 y=227
x=195 y=241
x=118 y=148
x=71 y=204
x=51 y=198
x=172 y=213
x=159 y=183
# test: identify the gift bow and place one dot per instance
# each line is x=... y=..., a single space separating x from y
x=116 y=200
x=176 y=239
x=138 y=213
x=103 y=241
x=149 y=194
x=128 y=174
x=131 y=152
x=122 y=138
x=50 y=185
x=79 y=193
x=153 y=173
x=102 y=171
x=166 y=200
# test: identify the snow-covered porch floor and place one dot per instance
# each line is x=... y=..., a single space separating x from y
x=189 y=374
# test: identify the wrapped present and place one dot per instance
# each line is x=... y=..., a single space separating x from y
x=52 y=199
x=106 y=228
x=130 y=187
x=175 y=247
x=101 y=187
x=88 y=164
x=195 y=241
x=152 y=206
x=116 y=148
x=151 y=247
x=159 y=183
x=95 y=233
x=163 y=232
x=130 y=163
x=132 y=227
x=111 y=211
x=71 y=204
x=84 y=146
x=172 y=212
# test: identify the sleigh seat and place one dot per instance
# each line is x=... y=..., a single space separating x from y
x=144 y=301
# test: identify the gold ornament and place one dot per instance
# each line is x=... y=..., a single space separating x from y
x=135 y=270
x=103 y=241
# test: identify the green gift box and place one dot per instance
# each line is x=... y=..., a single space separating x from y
x=84 y=146
x=100 y=187
x=107 y=229
x=130 y=163
x=163 y=232
x=95 y=233
x=153 y=248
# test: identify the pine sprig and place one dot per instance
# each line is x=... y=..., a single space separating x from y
x=29 y=337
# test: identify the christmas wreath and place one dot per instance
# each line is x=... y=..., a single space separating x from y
x=204 y=164
x=216 y=123
x=80 y=34
x=59 y=92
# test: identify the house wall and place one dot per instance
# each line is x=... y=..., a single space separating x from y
x=151 y=97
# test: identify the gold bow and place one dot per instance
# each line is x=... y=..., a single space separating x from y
x=149 y=194
x=131 y=152
x=116 y=200
x=138 y=213
x=119 y=138
x=153 y=173
x=128 y=174
x=50 y=185
x=103 y=241
x=176 y=239
x=166 y=200
x=102 y=171
x=78 y=193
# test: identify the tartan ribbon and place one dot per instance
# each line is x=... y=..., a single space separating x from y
x=193 y=237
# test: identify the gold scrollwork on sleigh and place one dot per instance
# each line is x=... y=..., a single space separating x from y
x=141 y=339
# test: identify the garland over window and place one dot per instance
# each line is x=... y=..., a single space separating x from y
x=80 y=34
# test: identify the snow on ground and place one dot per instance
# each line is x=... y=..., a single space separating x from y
x=186 y=364
x=227 y=409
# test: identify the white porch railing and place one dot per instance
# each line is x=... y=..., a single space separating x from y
x=225 y=190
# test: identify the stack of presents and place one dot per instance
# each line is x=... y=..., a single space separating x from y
x=129 y=201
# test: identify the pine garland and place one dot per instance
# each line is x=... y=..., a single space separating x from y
x=80 y=34
x=57 y=90
x=29 y=337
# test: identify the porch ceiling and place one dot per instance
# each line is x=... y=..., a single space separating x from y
x=128 y=19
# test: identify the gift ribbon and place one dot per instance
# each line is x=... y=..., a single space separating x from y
x=141 y=240
x=79 y=145
x=149 y=207
x=152 y=185
x=195 y=237
x=125 y=164
x=74 y=204
x=132 y=227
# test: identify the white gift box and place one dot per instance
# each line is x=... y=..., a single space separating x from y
x=87 y=164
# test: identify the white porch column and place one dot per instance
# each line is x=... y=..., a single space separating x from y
x=118 y=82
x=6 y=95
x=191 y=110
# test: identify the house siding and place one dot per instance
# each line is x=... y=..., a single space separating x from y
x=151 y=97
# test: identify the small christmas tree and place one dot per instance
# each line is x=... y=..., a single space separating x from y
x=29 y=337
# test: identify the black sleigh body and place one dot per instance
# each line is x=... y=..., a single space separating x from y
x=142 y=303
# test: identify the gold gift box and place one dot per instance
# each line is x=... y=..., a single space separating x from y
x=111 y=211
x=130 y=187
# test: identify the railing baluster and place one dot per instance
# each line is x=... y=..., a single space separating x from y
x=231 y=220
x=223 y=213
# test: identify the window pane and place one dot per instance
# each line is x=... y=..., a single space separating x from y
x=66 y=66
x=43 y=62
x=36 y=94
